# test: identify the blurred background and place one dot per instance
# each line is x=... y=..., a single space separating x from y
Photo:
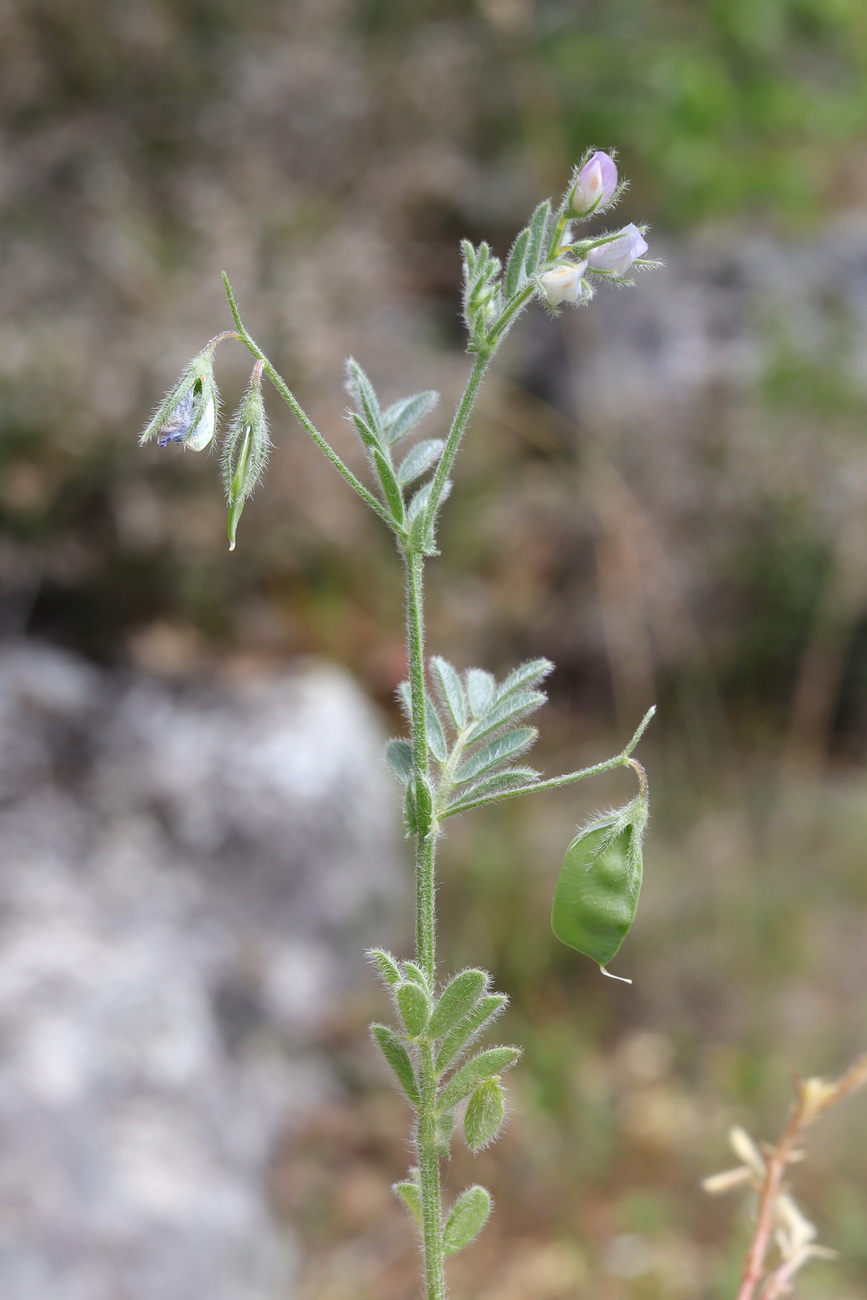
x=665 y=493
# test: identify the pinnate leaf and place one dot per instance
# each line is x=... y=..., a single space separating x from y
x=481 y=691
x=414 y=1007
x=482 y=1066
x=515 y=273
x=436 y=740
x=513 y=707
x=466 y=1030
x=450 y=690
x=420 y=459
x=525 y=677
x=456 y=1000
x=388 y=967
x=398 y=754
x=410 y=1193
x=398 y=1058
x=496 y=751
x=405 y=414
x=485 y=1114
x=362 y=392
x=510 y=778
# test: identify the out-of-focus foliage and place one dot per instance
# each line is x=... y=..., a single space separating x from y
x=732 y=108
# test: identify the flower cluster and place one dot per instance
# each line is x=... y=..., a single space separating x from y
x=594 y=188
x=188 y=416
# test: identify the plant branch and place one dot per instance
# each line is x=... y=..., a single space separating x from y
x=303 y=418
x=553 y=783
x=455 y=434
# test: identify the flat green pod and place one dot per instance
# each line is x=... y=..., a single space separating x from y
x=596 y=898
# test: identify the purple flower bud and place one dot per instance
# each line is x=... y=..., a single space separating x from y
x=617 y=255
x=595 y=185
x=563 y=283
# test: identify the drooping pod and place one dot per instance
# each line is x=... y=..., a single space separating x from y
x=596 y=898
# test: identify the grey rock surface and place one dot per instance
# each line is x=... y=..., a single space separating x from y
x=188 y=878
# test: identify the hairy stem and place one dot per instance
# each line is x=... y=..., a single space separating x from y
x=425 y=921
x=301 y=415
x=554 y=782
x=456 y=433
x=429 y=1168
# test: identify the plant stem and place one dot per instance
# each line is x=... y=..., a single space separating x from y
x=554 y=782
x=429 y=1170
x=301 y=415
x=456 y=432
x=425 y=918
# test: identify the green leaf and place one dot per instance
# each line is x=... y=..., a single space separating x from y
x=515 y=273
x=414 y=1007
x=496 y=751
x=468 y=1216
x=362 y=392
x=404 y=415
x=436 y=739
x=467 y=1029
x=512 y=708
x=418 y=502
x=398 y=1058
x=420 y=459
x=444 y=1130
x=525 y=677
x=404 y=699
x=482 y=1066
x=536 y=243
x=418 y=806
x=510 y=778
x=481 y=691
x=450 y=690
x=469 y=253
x=410 y=1193
x=398 y=755
x=485 y=1114
x=388 y=967
x=457 y=1000
x=390 y=486
x=368 y=437
x=596 y=897
x=415 y=973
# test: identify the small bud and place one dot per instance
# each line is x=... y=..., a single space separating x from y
x=617 y=255
x=246 y=451
x=594 y=186
x=564 y=283
x=189 y=413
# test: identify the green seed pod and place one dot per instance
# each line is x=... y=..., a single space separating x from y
x=485 y=1114
x=597 y=893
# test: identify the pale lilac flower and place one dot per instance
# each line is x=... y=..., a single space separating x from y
x=618 y=254
x=564 y=284
x=190 y=423
x=595 y=185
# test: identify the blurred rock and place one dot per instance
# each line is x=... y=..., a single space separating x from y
x=189 y=877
